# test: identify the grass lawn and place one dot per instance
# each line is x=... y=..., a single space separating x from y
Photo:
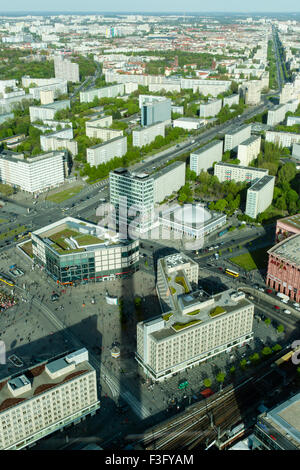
x=66 y=194
x=12 y=233
x=256 y=259
x=3 y=221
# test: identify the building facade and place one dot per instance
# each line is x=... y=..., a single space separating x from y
x=73 y=253
x=210 y=108
x=206 y=156
x=154 y=109
x=64 y=68
x=168 y=180
x=287 y=227
x=284 y=267
x=102 y=153
x=282 y=139
x=260 y=196
x=235 y=137
x=229 y=172
x=249 y=149
x=111 y=91
x=146 y=135
x=46 y=398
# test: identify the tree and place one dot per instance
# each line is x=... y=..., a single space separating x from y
x=207 y=383
x=254 y=358
x=276 y=348
x=266 y=351
x=287 y=172
x=232 y=370
x=280 y=329
x=220 y=377
x=267 y=321
x=243 y=364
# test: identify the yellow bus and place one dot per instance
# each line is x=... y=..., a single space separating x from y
x=232 y=273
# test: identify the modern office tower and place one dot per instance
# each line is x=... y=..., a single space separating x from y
x=260 y=196
x=284 y=267
x=210 y=108
x=296 y=151
x=276 y=115
x=46 y=398
x=73 y=252
x=34 y=175
x=47 y=111
x=66 y=69
x=278 y=428
x=292 y=120
x=287 y=226
x=236 y=136
x=145 y=135
x=106 y=92
x=188 y=123
x=249 y=149
x=168 y=180
x=194 y=326
x=132 y=195
x=230 y=100
x=282 y=139
x=204 y=158
x=59 y=140
x=46 y=96
x=154 y=109
x=102 y=153
x=229 y=172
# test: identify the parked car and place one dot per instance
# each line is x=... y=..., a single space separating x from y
x=287 y=311
x=276 y=306
x=295 y=304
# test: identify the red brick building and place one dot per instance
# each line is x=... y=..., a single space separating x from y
x=284 y=267
x=287 y=227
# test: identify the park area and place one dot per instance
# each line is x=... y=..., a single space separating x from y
x=256 y=259
x=64 y=195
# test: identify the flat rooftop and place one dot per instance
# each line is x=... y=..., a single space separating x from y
x=103 y=144
x=212 y=144
x=288 y=249
x=168 y=168
x=20 y=157
x=292 y=220
x=241 y=167
x=251 y=139
x=258 y=185
x=239 y=129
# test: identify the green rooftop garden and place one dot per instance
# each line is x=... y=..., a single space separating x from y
x=167 y=316
x=179 y=326
x=217 y=311
x=194 y=312
x=182 y=282
x=62 y=247
x=86 y=239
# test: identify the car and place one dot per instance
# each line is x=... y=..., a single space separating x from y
x=295 y=304
x=261 y=289
x=276 y=306
x=285 y=301
x=287 y=311
x=269 y=291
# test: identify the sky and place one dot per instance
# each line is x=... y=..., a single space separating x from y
x=154 y=5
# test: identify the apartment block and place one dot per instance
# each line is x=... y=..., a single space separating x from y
x=104 y=121
x=46 y=398
x=204 y=158
x=167 y=87
x=248 y=150
x=252 y=92
x=282 y=139
x=296 y=151
x=210 y=108
x=235 y=137
x=35 y=174
x=48 y=111
x=111 y=91
x=58 y=140
x=102 y=133
x=154 y=109
x=260 y=196
x=145 y=135
x=230 y=100
x=46 y=96
x=102 y=153
x=168 y=180
x=229 y=172
x=66 y=69
x=276 y=115
x=292 y=120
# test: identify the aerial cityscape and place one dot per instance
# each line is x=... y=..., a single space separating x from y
x=149 y=231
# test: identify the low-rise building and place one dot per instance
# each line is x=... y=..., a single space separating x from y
x=249 y=149
x=103 y=133
x=287 y=227
x=260 y=196
x=102 y=153
x=46 y=398
x=284 y=267
x=188 y=123
x=206 y=156
x=73 y=252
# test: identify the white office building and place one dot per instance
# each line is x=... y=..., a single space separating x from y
x=111 y=91
x=210 y=108
x=249 y=149
x=282 y=139
x=238 y=173
x=102 y=153
x=168 y=180
x=204 y=158
x=154 y=109
x=145 y=135
x=66 y=69
x=46 y=398
x=236 y=136
x=195 y=327
x=34 y=174
x=260 y=196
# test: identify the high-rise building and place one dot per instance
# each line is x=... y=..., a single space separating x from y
x=260 y=196
x=46 y=398
x=73 y=252
x=106 y=151
x=284 y=267
x=249 y=149
x=236 y=136
x=145 y=135
x=276 y=115
x=210 y=108
x=132 y=195
x=168 y=180
x=66 y=69
x=194 y=326
x=206 y=156
x=229 y=172
x=282 y=139
x=154 y=109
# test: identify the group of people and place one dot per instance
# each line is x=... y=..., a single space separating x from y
x=6 y=301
